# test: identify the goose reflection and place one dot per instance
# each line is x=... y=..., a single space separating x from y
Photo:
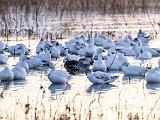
x=19 y=83
x=100 y=88
x=59 y=88
x=153 y=86
x=129 y=79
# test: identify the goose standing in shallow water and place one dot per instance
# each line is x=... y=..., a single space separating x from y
x=6 y=74
x=153 y=75
x=100 y=77
x=58 y=76
x=134 y=70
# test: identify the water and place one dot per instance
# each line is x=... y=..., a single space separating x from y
x=36 y=98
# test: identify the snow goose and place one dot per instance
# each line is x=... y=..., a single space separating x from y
x=134 y=70
x=2 y=46
x=144 y=55
x=143 y=37
x=99 y=64
x=123 y=42
x=100 y=77
x=109 y=43
x=58 y=76
x=22 y=62
x=61 y=48
x=153 y=75
x=100 y=40
x=115 y=61
x=90 y=48
x=16 y=49
x=55 y=52
x=3 y=59
x=19 y=73
x=45 y=56
x=31 y=62
x=43 y=43
x=99 y=51
x=6 y=74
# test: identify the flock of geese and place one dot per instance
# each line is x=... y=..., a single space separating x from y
x=95 y=56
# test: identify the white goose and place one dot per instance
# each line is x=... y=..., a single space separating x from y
x=6 y=74
x=41 y=44
x=100 y=77
x=153 y=75
x=99 y=51
x=19 y=73
x=123 y=42
x=22 y=62
x=115 y=61
x=90 y=49
x=133 y=70
x=58 y=76
x=109 y=43
x=31 y=62
x=69 y=57
x=99 y=64
x=159 y=62
x=99 y=40
x=45 y=56
x=55 y=52
x=140 y=46
x=3 y=59
x=144 y=55
x=16 y=49
x=2 y=46
x=143 y=37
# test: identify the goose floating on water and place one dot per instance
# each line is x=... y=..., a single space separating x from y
x=58 y=76
x=153 y=75
x=6 y=74
x=19 y=73
x=100 y=77
x=134 y=70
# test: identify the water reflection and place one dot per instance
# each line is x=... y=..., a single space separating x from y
x=59 y=88
x=100 y=88
x=21 y=83
x=153 y=86
x=132 y=79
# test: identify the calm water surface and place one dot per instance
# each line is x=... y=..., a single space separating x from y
x=123 y=99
